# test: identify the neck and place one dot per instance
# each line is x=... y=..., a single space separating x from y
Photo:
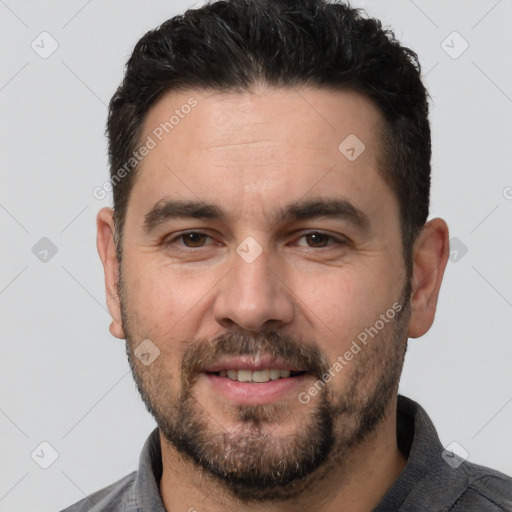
x=358 y=480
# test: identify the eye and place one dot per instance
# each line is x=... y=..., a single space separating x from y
x=196 y=240
x=316 y=239
x=192 y=239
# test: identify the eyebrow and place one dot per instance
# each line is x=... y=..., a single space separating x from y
x=304 y=209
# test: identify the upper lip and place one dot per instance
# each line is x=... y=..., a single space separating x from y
x=253 y=363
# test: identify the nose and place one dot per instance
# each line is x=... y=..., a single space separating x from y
x=253 y=297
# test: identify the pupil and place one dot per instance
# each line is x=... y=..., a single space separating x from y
x=194 y=238
x=317 y=239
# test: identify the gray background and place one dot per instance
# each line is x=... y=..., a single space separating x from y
x=65 y=380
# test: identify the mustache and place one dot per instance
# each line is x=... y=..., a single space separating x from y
x=203 y=353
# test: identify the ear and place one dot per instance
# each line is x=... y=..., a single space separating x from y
x=430 y=255
x=108 y=256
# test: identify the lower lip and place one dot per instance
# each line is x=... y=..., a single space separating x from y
x=256 y=393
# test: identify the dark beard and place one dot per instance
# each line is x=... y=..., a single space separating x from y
x=251 y=463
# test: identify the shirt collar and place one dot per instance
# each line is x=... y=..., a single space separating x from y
x=425 y=469
x=147 y=482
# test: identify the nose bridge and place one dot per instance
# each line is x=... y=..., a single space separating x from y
x=252 y=295
x=252 y=275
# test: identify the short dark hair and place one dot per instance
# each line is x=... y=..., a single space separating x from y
x=231 y=45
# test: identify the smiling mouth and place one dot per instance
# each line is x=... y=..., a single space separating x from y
x=257 y=376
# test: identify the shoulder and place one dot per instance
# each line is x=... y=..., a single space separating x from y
x=115 y=497
x=485 y=490
x=437 y=479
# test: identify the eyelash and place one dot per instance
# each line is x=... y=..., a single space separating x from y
x=168 y=243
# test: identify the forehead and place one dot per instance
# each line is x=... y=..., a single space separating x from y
x=299 y=117
x=262 y=147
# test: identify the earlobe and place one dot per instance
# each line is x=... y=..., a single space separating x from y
x=116 y=329
x=107 y=251
x=430 y=256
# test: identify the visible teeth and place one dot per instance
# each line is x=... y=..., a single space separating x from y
x=261 y=376
x=256 y=376
x=244 y=375
x=275 y=374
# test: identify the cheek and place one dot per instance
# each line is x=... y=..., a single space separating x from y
x=341 y=305
x=155 y=309
x=150 y=297
x=165 y=306
x=158 y=294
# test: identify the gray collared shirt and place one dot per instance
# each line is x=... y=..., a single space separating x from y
x=432 y=481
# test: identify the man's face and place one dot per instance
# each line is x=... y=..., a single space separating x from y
x=254 y=297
